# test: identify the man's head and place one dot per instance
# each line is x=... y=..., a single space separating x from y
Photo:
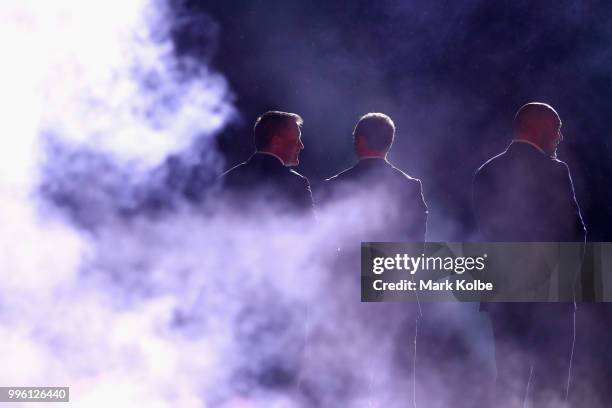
x=373 y=135
x=279 y=133
x=538 y=123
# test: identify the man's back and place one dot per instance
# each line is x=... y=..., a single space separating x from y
x=264 y=179
x=524 y=195
x=263 y=189
x=397 y=194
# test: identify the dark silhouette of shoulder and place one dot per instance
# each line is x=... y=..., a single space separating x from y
x=403 y=195
x=523 y=194
x=264 y=176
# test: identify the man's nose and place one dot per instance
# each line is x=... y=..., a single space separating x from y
x=301 y=145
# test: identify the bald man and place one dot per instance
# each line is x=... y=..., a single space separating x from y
x=525 y=194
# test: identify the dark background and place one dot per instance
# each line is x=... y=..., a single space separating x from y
x=450 y=74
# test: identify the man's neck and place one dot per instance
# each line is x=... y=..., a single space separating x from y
x=270 y=154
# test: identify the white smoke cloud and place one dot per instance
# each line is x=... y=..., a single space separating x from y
x=101 y=77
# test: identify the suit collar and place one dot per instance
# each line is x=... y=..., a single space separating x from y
x=266 y=156
x=527 y=142
x=372 y=161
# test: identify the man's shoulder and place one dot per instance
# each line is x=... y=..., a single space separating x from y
x=234 y=174
x=234 y=168
x=252 y=174
x=346 y=173
x=400 y=173
x=550 y=167
x=560 y=165
x=299 y=178
x=514 y=163
x=493 y=162
x=412 y=186
x=295 y=173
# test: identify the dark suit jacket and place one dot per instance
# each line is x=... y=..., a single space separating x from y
x=402 y=195
x=524 y=195
x=264 y=179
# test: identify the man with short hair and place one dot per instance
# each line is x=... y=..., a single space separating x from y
x=264 y=188
x=381 y=203
x=525 y=194
x=265 y=175
x=400 y=194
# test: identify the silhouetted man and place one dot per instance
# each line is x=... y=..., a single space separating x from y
x=269 y=327
x=526 y=194
x=375 y=201
x=391 y=190
x=265 y=176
